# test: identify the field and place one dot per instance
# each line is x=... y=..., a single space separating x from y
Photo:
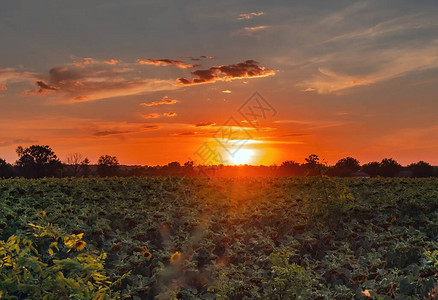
x=184 y=238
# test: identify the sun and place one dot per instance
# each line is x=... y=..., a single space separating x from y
x=242 y=157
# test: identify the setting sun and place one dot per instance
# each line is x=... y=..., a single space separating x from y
x=242 y=157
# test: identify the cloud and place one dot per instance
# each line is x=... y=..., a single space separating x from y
x=157 y=115
x=151 y=116
x=251 y=30
x=151 y=127
x=83 y=62
x=3 y=87
x=12 y=75
x=97 y=81
x=396 y=63
x=201 y=57
x=111 y=61
x=250 y=15
x=43 y=88
x=204 y=124
x=17 y=141
x=111 y=132
x=166 y=62
x=226 y=92
x=247 y=69
x=164 y=100
x=186 y=133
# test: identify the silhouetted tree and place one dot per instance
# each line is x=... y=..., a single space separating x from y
x=85 y=167
x=372 y=168
x=38 y=161
x=290 y=168
x=107 y=165
x=172 y=168
x=312 y=166
x=389 y=167
x=6 y=169
x=188 y=168
x=345 y=167
x=74 y=162
x=312 y=159
x=421 y=169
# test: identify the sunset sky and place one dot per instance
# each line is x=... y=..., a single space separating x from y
x=154 y=81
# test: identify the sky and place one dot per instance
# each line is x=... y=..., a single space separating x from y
x=256 y=82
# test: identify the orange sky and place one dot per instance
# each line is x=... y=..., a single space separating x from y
x=155 y=82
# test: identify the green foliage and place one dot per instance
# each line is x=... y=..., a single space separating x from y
x=314 y=238
x=42 y=265
x=290 y=281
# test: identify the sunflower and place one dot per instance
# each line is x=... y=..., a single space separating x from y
x=80 y=245
x=146 y=253
x=175 y=258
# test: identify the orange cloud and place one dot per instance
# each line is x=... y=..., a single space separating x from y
x=111 y=132
x=83 y=62
x=3 y=87
x=151 y=116
x=203 y=124
x=247 y=69
x=166 y=62
x=249 y=30
x=111 y=61
x=164 y=100
x=169 y=114
x=43 y=88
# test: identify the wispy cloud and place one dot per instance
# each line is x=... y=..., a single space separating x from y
x=17 y=142
x=111 y=132
x=166 y=62
x=391 y=63
x=205 y=124
x=164 y=100
x=251 y=30
x=169 y=114
x=249 y=15
x=247 y=69
x=157 y=115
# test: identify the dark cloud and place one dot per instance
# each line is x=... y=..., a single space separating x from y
x=111 y=132
x=17 y=142
x=208 y=57
x=203 y=124
x=247 y=69
x=97 y=80
x=43 y=88
x=151 y=127
x=166 y=62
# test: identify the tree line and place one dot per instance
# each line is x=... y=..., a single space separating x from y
x=39 y=161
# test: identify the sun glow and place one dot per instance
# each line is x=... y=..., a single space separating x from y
x=242 y=157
